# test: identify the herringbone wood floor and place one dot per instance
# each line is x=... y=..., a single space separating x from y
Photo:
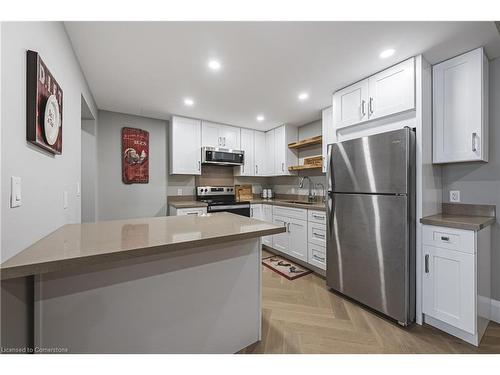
x=302 y=316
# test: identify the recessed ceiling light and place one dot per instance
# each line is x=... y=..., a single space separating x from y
x=387 y=53
x=214 y=65
x=303 y=96
x=260 y=118
x=188 y=101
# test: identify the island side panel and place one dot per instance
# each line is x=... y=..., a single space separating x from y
x=202 y=300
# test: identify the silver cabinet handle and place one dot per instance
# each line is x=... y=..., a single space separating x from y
x=318 y=235
x=363 y=111
x=256 y=169
x=427 y=263
x=192 y=213
x=370 y=106
x=282 y=167
x=474 y=147
x=251 y=212
x=318 y=217
x=199 y=165
x=288 y=227
x=219 y=141
x=443 y=238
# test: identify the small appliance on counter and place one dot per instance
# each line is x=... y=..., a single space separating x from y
x=222 y=199
x=266 y=194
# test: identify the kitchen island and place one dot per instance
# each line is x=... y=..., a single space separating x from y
x=184 y=284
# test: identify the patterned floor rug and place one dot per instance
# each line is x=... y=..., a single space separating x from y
x=285 y=267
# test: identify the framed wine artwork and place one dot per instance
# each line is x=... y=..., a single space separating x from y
x=44 y=106
x=135 y=156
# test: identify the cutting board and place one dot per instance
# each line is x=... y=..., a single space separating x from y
x=243 y=192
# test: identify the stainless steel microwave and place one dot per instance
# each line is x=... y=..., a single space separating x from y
x=222 y=156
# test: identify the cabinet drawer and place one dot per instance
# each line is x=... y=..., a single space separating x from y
x=316 y=256
x=449 y=238
x=317 y=216
x=191 y=211
x=316 y=234
x=294 y=213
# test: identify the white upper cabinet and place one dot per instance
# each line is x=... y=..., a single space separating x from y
x=460 y=108
x=386 y=93
x=185 y=146
x=351 y=104
x=328 y=134
x=247 y=145
x=392 y=90
x=284 y=157
x=260 y=153
x=230 y=136
x=219 y=135
x=270 y=153
x=210 y=134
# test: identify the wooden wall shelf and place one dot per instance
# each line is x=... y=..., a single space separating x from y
x=306 y=142
x=304 y=167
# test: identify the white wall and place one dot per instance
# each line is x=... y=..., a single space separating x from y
x=44 y=177
x=116 y=199
x=89 y=171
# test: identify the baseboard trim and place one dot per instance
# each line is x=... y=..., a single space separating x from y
x=495 y=310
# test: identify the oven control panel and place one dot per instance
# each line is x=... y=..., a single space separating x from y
x=214 y=190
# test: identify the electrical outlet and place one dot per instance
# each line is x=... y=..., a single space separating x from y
x=179 y=191
x=454 y=196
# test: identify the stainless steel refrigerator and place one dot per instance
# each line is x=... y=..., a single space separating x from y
x=371 y=222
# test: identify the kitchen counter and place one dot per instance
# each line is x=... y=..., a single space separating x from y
x=463 y=216
x=91 y=243
x=178 y=284
x=189 y=203
x=319 y=206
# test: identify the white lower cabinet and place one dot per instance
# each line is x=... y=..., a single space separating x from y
x=267 y=215
x=297 y=234
x=294 y=241
x=316 y=255
x=456 y=280
x=256 y=212
x=281 y=241
x=305 y=235
x=196 y=211
x=449 y=284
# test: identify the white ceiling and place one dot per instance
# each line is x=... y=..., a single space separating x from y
x=148 y=68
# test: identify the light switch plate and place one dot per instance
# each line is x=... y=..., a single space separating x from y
x=15 y=192
x=179 y=191
x=78 y=190
x=454 y=196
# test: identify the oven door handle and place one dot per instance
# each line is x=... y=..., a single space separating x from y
x=228 y=207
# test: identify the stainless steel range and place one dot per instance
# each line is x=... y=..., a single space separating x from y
x=222 y=199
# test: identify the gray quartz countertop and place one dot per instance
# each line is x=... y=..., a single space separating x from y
x=463 y=216
x=93 y=243
x=318 y=206
x=459 y=222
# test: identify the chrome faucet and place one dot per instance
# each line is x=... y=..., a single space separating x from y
x=310 y=197
x=323 y=196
